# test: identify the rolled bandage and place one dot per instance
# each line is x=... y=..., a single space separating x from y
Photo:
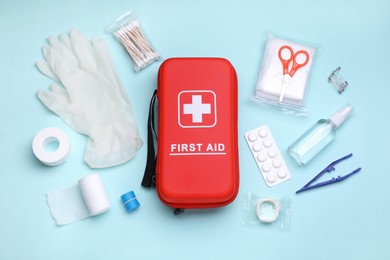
x=46 y=136
x=94 y=194
x=86 y=198
x=268 y=213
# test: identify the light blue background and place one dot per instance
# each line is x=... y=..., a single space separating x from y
x=349 y=220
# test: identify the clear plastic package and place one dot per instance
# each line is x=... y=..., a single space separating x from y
x=127 y=30
x=284 y=74
x=266 y=211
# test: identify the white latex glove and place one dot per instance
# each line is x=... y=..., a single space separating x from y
x=92 y=100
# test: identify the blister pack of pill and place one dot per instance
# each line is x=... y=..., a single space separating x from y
x=267 y=155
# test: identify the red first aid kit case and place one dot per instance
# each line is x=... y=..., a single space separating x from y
x=197 y=154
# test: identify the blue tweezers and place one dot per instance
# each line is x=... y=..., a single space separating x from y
x=329 y=168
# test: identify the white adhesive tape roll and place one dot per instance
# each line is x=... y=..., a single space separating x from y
x=268 y=215
x=43 y=138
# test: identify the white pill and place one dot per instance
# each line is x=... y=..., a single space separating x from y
x=272 y=153
x=266 y=167
x=267 y=143
x=277 y=163
x=271 y=178
x=261 y=157
x=281 y=173
x=252 y=137
x=263 y=132
x=256 y=147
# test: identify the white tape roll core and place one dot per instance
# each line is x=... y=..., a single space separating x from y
x=263 y=216
x=44 y=137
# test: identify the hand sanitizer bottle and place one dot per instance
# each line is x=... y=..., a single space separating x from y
x=318 y=137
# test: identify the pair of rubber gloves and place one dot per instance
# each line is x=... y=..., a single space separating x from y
x=89 y=97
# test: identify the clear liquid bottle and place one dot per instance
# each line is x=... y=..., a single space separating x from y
x=318 y=137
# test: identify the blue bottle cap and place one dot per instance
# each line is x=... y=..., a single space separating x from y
x=130 y=201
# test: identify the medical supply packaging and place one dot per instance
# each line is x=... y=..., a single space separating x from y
x=197 y=155
x=284 y=74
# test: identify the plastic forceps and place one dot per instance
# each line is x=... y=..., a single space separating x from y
x=293 y=57
x=329 y=168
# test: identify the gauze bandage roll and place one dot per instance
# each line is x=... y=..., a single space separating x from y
x=86 y=198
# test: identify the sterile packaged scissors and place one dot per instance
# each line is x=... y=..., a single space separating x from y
x=295 y=65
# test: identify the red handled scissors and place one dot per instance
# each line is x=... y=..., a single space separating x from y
x=295 y=65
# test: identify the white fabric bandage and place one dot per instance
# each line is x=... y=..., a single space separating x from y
x=86 y=198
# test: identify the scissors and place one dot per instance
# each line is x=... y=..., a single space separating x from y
x=295 y=66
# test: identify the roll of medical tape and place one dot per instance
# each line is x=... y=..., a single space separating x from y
x=276 y=210
x=130 y=201
x=43 y=138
